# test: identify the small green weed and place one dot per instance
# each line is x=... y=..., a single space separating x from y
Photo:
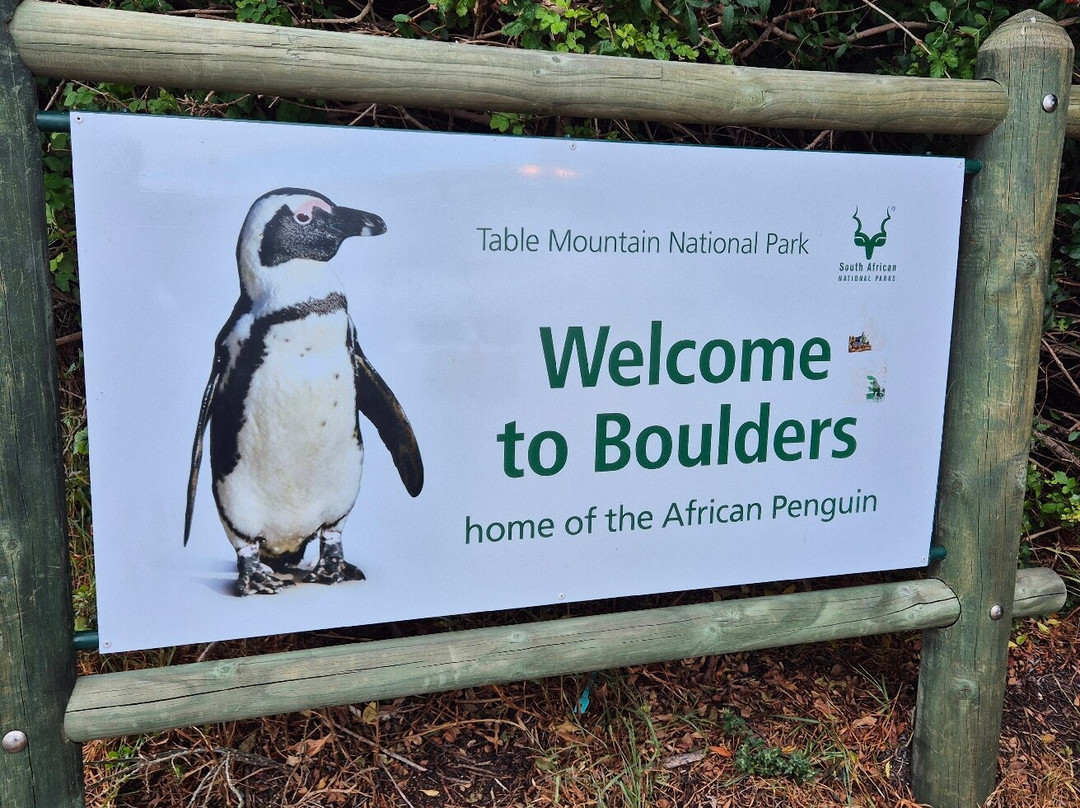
x=755 y=757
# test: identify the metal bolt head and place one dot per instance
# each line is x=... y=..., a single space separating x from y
x=996 y=612
x=1049 y=102
x=14 y=741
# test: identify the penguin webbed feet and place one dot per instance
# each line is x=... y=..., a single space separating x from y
x=256 y=578
x=332 y=568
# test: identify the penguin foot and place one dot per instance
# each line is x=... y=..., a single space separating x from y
x=258 y=579
x=332 y=569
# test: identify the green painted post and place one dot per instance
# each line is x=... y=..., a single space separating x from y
x=1004 y=253
x=39 y=768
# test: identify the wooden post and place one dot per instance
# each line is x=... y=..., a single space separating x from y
x=37 y=665
x=1004 y=253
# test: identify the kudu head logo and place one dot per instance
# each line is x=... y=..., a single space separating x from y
x=870 y=243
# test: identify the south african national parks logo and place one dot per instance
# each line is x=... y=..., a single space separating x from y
x=871 y=243
x=869 y=270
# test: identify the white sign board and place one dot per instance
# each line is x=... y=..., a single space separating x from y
x=625 y=369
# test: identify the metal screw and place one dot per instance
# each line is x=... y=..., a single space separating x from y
x=996 y=612
x=1049 y=102
x=14 y=741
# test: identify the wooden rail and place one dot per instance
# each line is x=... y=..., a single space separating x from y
x=142 y=701
x=91 y=44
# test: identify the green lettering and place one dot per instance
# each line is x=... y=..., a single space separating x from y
x=617 y=361
x=705 y=361
x=841 y=434
x=604 y=441
x=673 y=361
x=573 y=344
x=807 y=355
x=781 y=440
x=768 y=351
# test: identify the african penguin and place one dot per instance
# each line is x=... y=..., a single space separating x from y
x=287 y=384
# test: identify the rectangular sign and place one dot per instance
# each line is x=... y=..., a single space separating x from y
x=578 y=369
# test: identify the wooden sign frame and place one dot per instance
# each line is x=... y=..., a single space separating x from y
x=1017 y=112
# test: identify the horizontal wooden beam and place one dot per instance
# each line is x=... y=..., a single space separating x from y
x=143 y=701
x=93 y=44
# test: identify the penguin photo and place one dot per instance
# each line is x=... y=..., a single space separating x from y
x=288 y=383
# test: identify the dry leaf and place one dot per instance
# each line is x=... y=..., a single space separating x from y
x=685 y=759
x=371 y=713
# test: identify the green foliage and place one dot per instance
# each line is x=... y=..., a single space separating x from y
x=951 y=49
x=455 y=14
x=59 y=189
x=511 y=122
x=449 y=16
x=1053 y=499
x=1068 y=234
x=622 y=28
x=734 y=724
x=266 y=12
x=755 y=757
x=152 y=6
x=63 y=272
x=84 y=603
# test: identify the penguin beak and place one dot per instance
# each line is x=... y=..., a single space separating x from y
x=353 y=222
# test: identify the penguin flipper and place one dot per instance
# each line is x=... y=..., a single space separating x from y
x=197 y=448
x=379 y=405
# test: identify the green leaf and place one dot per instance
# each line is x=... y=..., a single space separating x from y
x=939 y=11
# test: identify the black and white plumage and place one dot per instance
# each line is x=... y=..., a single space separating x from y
x=282 y=402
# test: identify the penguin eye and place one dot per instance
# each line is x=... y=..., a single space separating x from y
x=302 y=217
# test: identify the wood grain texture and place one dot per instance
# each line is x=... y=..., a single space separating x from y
x=92 y=44
x=143 y=701
x=1072 y=127
x=1038 y=592
x=1004 y=254
x=37 y=662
